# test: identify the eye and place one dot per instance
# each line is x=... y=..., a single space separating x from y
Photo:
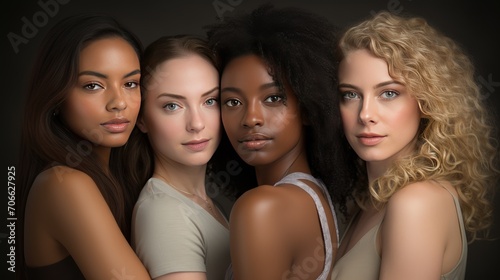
x=131 y=84
x=389 y=94
x=232 y=102
x=349 y=95
x=274 y=98
x=171 y=107
x=211 y=101
x=92 y=86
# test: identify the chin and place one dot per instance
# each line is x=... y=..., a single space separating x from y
x=114 y=144
x=113 y=141
x=198 y=161
x=372 y=158
x=117 y=146
x=254 y=159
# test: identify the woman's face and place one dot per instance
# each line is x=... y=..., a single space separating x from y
x=103 y=105
x=262 y=121
x=181 y=112
x=380 y=117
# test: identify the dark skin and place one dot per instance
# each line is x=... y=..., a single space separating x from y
x=275 y=231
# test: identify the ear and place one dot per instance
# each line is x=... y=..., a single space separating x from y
x=141 y=125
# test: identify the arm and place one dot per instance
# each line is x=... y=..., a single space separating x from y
x=259 y=246
x=167 y=239
x=415 y=232
x=78 y=217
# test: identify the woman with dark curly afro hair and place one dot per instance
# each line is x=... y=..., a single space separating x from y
x=279 y=111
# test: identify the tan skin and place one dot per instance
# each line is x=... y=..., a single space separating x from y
x=66 y=215
x=275 y=231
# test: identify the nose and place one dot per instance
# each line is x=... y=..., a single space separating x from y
x=368 y=111
x=116 y=100
x=253 y=115
x=195 y=122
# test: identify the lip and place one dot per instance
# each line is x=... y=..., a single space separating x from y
x=370 y=139
x=197 y=145
x=117 y=125
x=254 y=141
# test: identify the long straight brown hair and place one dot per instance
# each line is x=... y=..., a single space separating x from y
x=46 y=141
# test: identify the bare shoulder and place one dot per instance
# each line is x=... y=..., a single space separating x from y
x=62 y=180
x=73 y=213
x=58 y=174
x=267 y=205
x=266 y=218
x=424 y=197
x=419 y=217
x=61 y=186
x=259 y=200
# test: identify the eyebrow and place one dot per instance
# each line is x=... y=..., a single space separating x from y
x=344 y=85
x=238 y=90
x=100 y=75
x=177 y=96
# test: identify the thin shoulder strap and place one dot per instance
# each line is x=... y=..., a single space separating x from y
x=349 y=225
x=294 y=179
x=457 y=207
x=460 y=221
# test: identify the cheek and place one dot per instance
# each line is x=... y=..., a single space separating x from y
x=230 y=121
x=163 y=138
x=285 y=118
x=230 y=124
x=166 y=129
x=80 y=109
x=161 y=128
x=407 y=119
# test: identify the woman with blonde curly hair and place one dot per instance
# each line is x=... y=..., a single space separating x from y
x=413 y=114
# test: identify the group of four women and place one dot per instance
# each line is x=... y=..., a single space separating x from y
x=382 y=127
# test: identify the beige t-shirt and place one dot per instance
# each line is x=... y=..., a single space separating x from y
x=171 y=233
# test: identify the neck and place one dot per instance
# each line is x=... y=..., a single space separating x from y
x=294 y=161
x=375 y=170
x=190 y=179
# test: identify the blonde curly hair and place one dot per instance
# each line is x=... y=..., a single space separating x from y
x=456 y=140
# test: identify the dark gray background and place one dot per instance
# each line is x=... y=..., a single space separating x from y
x=474 y=24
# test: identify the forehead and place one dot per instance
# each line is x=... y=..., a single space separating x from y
x=108 y=51
x=362 y=66
x=184 y=73
x=186 y=63
x=246 y=71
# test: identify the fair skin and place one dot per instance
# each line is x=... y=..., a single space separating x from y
x=66 y=214
x=271 y=238
x=182 y=120
x=420 y=236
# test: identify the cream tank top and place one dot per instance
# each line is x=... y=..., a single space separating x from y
x=362 y=261
x=295 y=179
